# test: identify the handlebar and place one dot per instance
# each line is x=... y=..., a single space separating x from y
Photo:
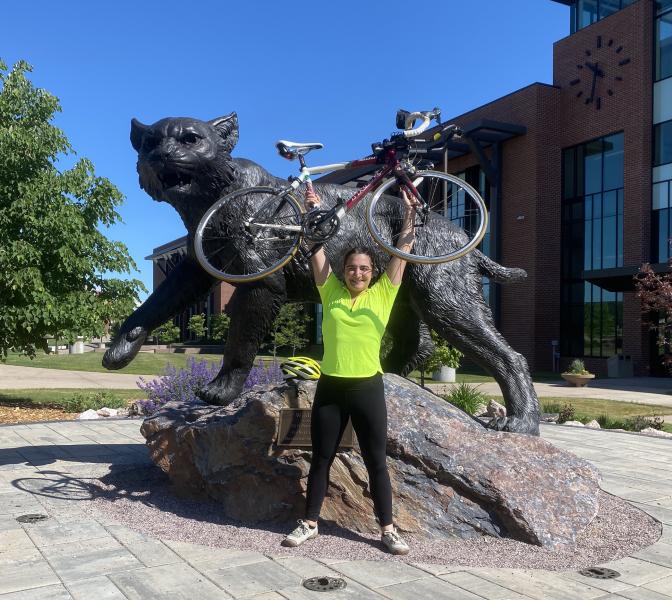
x=406 y=119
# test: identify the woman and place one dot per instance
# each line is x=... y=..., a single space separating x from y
x=351 y=384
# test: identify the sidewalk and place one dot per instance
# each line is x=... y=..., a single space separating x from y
x=12 y=377
x=44 y=468
x=645 y=390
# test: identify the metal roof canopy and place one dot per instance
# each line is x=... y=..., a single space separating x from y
x=178 y=246
x=478 y=135
x=619 y=279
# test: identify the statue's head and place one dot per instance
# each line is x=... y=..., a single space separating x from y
x=185 y=161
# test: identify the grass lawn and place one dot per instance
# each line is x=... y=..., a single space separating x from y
x=56 y=397
x=144 y=363
x=592 y=408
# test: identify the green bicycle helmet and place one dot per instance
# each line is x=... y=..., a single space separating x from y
x=300 y=367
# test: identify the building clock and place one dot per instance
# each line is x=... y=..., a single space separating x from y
x=599 y=72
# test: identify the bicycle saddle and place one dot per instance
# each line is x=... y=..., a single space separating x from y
x=292 y=150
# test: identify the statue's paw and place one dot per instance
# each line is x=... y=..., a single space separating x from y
x=124 y=348
x=514 y=424
x=217 y=393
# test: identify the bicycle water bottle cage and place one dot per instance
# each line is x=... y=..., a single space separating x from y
x=292 y=150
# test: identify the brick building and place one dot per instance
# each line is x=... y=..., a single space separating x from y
x=577 y=176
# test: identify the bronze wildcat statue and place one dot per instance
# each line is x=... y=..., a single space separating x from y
x=188 y=163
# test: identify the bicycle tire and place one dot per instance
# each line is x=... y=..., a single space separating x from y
x=230 y=242
x=385 y=211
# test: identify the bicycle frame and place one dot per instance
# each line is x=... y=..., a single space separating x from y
x=390 y=167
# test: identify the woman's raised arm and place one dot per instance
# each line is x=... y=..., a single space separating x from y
x=319 y=260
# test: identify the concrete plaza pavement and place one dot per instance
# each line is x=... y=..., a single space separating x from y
x=44 y=468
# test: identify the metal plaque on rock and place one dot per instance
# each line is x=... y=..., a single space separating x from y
x=294 y=429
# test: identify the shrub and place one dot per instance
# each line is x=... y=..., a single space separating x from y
x=640 y=422
x=183 y=385
x=81 y=401
x=167 y=333
x=577 y=367
x=261 y=374
x=566 y=413
x=467 y=397
x=220 y=326
x=196 y=325
x=444 y=355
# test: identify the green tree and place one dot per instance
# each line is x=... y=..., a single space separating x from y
x=220 y=326
x=53 y=258
x=167 y=333
x=290 y=328
x=196 y=325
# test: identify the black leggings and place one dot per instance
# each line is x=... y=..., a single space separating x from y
x=363 y=400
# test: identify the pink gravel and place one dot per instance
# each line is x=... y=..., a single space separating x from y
x=142 y=499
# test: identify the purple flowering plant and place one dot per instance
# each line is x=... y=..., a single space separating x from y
x=182 y=385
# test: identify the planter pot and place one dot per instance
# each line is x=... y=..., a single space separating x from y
x=577 y=380
x=445 y=374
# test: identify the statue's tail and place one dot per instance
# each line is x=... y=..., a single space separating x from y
x=497 y=272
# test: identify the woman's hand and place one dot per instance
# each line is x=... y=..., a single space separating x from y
x=410 y=201
x=311 y=200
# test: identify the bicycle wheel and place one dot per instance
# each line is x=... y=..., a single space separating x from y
x=455 y=224
x=249 y=234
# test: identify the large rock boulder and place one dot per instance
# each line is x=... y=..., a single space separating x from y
x=451 y=477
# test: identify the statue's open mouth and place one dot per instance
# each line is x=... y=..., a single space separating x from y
x=175 y=180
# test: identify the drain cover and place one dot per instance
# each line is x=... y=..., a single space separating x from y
x=324 y=584
x=600 y=573
x=32 y=518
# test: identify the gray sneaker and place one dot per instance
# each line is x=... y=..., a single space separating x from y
x=302 y=533
x=394 y=542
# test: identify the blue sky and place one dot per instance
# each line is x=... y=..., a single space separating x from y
x=334 y=72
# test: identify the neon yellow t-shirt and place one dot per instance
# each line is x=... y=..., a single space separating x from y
x=352 y=333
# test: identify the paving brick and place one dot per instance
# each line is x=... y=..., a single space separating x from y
x=204 y=558
x=89 y=558
x=352 y=591
x=305 y=567
x=482 y=587
x=15 y=538
x=50 y=534
x=637 y=572
x=662 y=586
x=50 y=592
x=640 y=593
x=376 y=574
x=256 y=578
x=540 y=585
x=149 y=551
x=433 y=588
x=167 y=582
x=658 y=553
x=100 y=588
x=23 y=569
x=435 y=569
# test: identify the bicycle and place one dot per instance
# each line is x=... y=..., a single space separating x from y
x=252 y=232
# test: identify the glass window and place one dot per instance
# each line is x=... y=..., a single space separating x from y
x=663 y=6
x=662 y=143
x=592 y=238
x=608 y=7
x=593 y=167
x=613 y=162
x=587 y=12
x=661 y=221
x=661 y=197
x=664 y=46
